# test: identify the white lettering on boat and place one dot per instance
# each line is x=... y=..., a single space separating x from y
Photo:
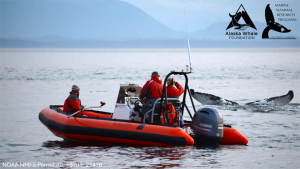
x=205 y=125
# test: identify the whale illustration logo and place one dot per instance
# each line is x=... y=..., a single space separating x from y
x=240 y=13
x=271 y=24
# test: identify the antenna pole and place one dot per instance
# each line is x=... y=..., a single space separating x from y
x=188 y=42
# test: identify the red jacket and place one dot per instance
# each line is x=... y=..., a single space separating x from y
x=72 y=103
x=173 y=92
x=153 y=88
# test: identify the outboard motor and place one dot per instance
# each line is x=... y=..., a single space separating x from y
x=207 y=125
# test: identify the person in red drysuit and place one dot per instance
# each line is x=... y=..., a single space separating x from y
x=152 y=89
x=173 y=92
x=73 y=103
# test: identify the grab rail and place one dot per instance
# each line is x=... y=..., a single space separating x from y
x=153 y=109
x=146 y=116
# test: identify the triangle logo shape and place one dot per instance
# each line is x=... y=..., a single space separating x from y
x=241 y=13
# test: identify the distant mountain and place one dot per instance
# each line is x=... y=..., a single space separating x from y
x=179 y=43
x=111 y=24
x=51 y=38
x=88 y=19
x=213 y=32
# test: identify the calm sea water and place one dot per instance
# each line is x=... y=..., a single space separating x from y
x=34 y=79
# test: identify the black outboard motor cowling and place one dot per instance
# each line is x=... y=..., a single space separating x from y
x=207 y=125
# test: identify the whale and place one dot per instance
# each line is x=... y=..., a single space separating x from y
x=274 y=101
x=209 y=99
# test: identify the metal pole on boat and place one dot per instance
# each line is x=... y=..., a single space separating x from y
x=76 y=112
x=190 y=56
x=102 y=104
x=164 y=100
x=188 y=42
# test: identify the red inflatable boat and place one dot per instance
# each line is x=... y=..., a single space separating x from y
x=137 y=124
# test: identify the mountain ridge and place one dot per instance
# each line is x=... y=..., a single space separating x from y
x=79 y=19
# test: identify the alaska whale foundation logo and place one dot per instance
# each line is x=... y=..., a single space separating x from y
x=240 y=16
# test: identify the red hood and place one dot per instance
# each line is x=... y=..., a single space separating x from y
x=157 y=79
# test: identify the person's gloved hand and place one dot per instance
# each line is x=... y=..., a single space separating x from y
x=82 y=107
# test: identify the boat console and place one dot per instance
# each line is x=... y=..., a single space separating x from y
x=127 y=103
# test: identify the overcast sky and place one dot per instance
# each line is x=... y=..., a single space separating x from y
x=202 y=13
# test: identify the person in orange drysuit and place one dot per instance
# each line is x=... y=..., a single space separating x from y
x=72 y=103
x=172 y=91
x=152 y=89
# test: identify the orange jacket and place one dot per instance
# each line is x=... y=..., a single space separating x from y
x=173 y=92
x=153 y=88
x=72 y=103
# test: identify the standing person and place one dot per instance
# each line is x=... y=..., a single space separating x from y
x=73 y=103
x=152 y=89
x=172 y=91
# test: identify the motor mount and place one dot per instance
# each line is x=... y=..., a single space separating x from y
x=207 y=125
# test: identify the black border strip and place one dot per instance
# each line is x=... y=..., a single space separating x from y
x=131 y=135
